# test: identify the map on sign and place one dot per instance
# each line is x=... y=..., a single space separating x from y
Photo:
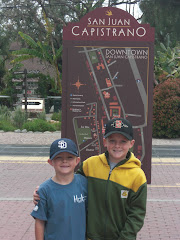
x=108 y=73
x=107 y=82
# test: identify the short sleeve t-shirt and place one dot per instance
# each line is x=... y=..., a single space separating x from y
x=112 y=165
x=63 y=208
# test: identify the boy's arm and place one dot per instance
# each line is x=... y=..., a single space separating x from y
x=39 y=229
x=41 y=209
x=136 y=214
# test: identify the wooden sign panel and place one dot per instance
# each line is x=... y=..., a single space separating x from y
x=108 y=73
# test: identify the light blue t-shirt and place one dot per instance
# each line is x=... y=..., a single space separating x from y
x=112 y=165
x=63 y=207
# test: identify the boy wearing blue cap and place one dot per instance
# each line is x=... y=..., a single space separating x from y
x=61 y=211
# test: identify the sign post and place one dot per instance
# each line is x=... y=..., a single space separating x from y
x=108 y=73
x=25 y=87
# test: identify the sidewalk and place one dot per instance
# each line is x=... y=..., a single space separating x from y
x=19 y=179
x=47 y=138
x=166 y=142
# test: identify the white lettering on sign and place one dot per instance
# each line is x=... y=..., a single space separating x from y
x=108 y=31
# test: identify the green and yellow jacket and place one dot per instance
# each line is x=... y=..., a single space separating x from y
x=116 y=198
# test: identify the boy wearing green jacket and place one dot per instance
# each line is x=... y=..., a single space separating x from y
x=117 y=187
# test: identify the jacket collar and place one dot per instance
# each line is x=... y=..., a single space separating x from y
x=121 y=162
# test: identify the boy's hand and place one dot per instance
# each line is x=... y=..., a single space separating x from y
x=36 y=196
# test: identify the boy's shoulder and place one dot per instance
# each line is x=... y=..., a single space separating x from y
x=96 y=157
x=45 y=184
x=80 y=178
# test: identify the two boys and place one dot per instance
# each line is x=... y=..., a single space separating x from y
x=117 y=188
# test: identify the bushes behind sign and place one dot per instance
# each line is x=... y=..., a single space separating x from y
x=166 y=109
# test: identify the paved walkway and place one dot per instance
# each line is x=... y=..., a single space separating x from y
x=48 y=137
x=19 y=177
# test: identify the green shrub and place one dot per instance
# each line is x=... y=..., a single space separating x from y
x=166 y=109
x=6 y=126
x=41 y=115
x=10 y=122
x=57 y=126
x=19 y=118
x=56 y=116
x=39 y=125
x=5 y=113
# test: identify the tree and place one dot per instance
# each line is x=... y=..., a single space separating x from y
x=40 y=24
x=43 y=21
x=20 y=15
x=164 y=16
x=4 y=55
x=27 y=15
x=167 y=62
x=43 y=51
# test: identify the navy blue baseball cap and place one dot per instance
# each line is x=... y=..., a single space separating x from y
x=119 y=125
x=63 y=145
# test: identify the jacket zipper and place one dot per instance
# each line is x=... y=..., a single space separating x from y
x=106 y=202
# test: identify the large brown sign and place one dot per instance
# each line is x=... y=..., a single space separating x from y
x=107 y=73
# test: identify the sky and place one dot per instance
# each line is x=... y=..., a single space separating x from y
x=137 y=11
